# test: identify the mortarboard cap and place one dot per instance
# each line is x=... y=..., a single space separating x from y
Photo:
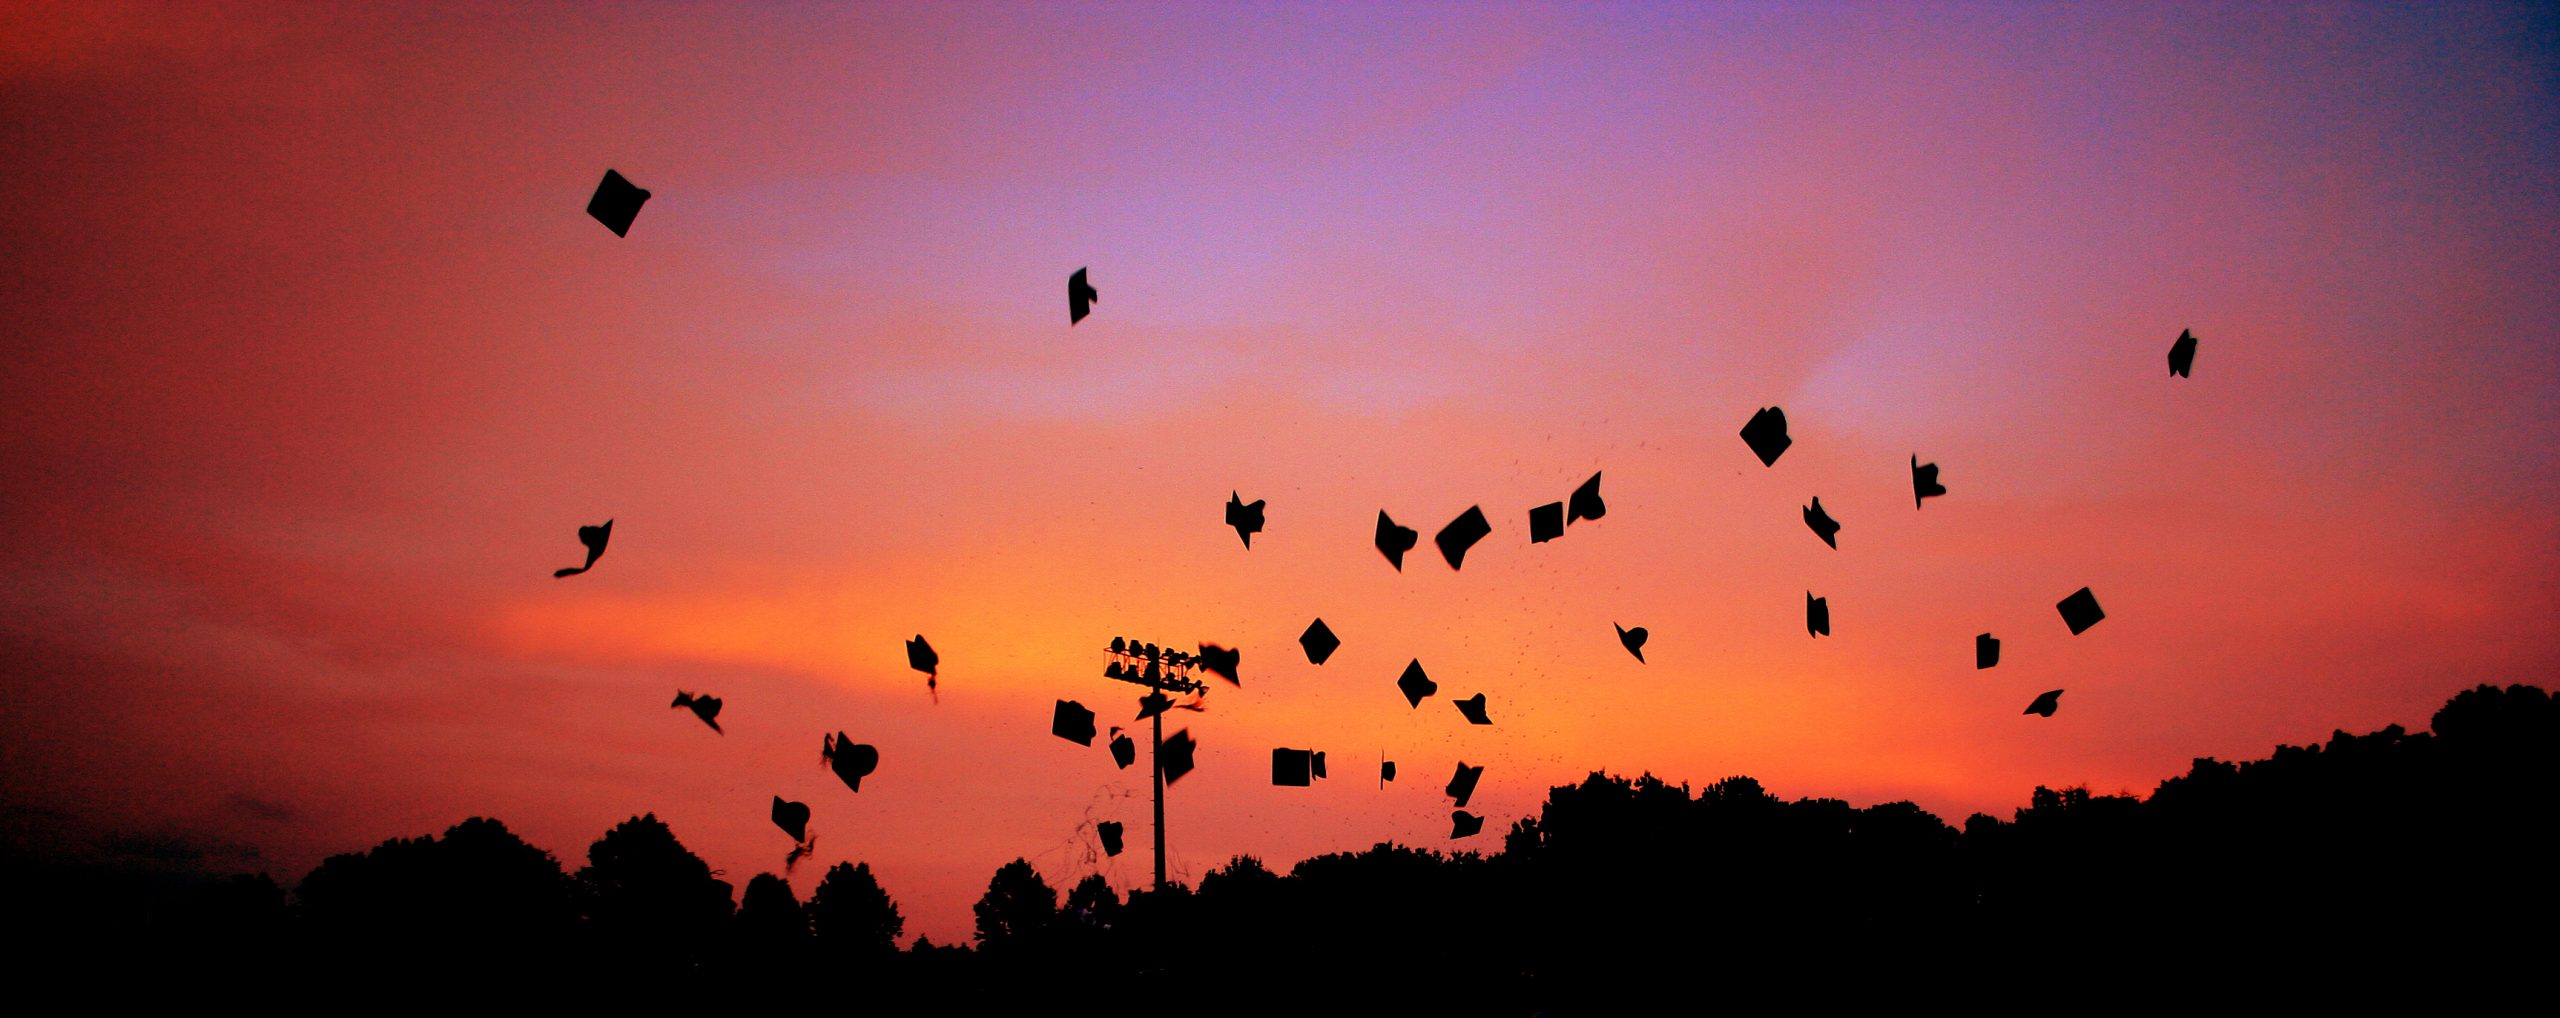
x=792 y=817
x=1823 y=525
x=850 y=760
x=1924 y=481
x=1462 y=785
x=1986 y=651
x=1175 y=757
x=1463 y=824
x=2080 y=611
x=1222 y=661
x=1586 y=504
x=1461 y=534
x=705 y=707
x=1632 y=639
x=1766 y=434
x=1546 y=523
x=616 y=203
x=920 y=655
x=1394 y=541
x=1386 y=771
x=2182 y=354
x=594 y=538
x=2046 y=704
x=1109 y=830
x=1473 y=708
x=1124 y=751
x=1246 y=518
x=1080 y=297
x=1817 y=614
x=1072 y=722
x=1319 y=642
x=1291 y=767
x=1415 y=684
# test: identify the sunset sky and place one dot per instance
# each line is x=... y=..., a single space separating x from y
x=316 y=363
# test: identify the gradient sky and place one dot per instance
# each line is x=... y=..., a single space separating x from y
x=316 y=364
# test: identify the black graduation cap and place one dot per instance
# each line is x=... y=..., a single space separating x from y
x=1291 y=767
x=594 y=538
x=1461 y=534
x=920 y=656
x=2080 y=611
x=1175 y=757
x=1394 y=541
x=1246 y=518
x=616 y=203
x=1072 y=722
x=1924 y=481
x=1817 y=614
x=1546 y=523
x=1319 y=642
x=1124 y=751
x=1110 y=832
x=2045 y=704
x=1463 y=824
x=1986 y=651
x=1766 y=434
x=1586 y=504
x=705 y=707
x=1080 y=297
x=1632 y=639
x=1415 y=684
x=1386 y=772
x=1473 y=708
x=1462 y=785
x=1152 y=704
x=1316 y=763
x=1823 y=525
x=2182 y=354
x=850 y=760
x=792 y=817
x=1222 y=661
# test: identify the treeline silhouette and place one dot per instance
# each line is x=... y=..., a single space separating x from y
x=2375 y=865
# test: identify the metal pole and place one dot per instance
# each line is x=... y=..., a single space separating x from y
x=1155 y=762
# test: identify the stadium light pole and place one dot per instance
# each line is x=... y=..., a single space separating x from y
x=1159 y=670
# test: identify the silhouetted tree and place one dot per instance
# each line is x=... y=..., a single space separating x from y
x=655 y=907
x=1016 y=913
x=2392 y=858
x=768 y=943
x=768 y=913
x=479 y=899
x=1092 y=904
x=852 y=915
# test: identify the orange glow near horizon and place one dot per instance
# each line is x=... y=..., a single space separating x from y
x=318 y=365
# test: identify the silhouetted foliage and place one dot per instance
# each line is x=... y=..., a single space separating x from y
x=479 y=899
x=1016 y=913
x=852 y=916
x=2410 y=861
x=769 y=914
x=653 y=906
